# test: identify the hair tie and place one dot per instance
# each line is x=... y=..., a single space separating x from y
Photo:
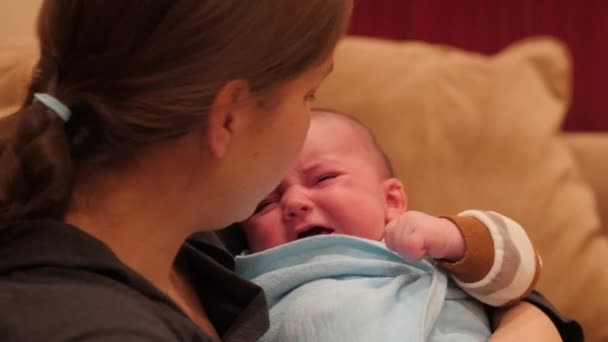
x=53 y=104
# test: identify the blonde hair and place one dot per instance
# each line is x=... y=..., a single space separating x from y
x=384 y=165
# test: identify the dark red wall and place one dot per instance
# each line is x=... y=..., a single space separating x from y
x=489 y=25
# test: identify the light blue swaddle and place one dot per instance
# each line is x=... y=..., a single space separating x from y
x=341 y=288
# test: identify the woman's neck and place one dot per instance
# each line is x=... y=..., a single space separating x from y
x=145 y=230
x=143 y=210
x=140 y=232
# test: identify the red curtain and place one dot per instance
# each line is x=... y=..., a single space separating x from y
x=488 y=26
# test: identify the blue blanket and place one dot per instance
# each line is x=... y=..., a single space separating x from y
x=341 y=288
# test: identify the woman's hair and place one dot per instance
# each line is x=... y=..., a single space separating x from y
x=135 y=72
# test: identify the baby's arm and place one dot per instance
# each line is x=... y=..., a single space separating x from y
x=415 y=235
x=500 y=265
x=490 y=256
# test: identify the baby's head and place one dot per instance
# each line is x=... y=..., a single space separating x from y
x=341 y=183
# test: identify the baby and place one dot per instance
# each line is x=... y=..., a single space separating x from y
x=375 y=277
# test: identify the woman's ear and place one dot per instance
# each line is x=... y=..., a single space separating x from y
x=395 y=198
x=221 y=121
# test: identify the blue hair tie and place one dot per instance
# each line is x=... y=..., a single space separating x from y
x=53 y=104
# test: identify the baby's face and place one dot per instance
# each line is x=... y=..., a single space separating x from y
x=334 y=187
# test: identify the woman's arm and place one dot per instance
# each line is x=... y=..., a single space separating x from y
x=511 y=323
x=523 y=322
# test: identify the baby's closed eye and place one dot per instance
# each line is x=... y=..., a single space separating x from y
x=265 y=203
x=325 y=177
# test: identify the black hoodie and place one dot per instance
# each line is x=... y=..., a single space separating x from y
x=58 y=283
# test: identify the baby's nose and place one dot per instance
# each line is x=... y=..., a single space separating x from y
x=294 y=211
x=296 y=208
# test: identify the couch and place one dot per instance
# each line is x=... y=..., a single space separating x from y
x=465 y=130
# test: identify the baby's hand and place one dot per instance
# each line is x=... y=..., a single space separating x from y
x=415 y=235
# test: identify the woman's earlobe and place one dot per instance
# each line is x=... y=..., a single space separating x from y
x=221 y=118
x=218 y=135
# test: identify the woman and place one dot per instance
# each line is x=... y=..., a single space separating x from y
x=147 y=121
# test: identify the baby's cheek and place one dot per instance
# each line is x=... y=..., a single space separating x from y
x=367 y=229
x=262 y=235
x=255 y=235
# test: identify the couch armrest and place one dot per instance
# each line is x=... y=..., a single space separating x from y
x=591 y=153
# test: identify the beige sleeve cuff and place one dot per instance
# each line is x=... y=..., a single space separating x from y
x=479 y=250
x=500 y=265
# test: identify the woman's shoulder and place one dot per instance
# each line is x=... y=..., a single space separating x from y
x=67 y=285
x=62 y=305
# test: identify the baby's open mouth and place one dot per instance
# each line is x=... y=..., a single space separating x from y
x=316 y=230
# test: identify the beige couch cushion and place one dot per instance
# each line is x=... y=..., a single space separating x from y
x=469 y=131
x=591 y=153
x=16 y=65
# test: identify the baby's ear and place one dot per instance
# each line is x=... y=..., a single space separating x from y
x=395 y=198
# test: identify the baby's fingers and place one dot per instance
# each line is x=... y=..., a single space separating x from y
x=406 y=241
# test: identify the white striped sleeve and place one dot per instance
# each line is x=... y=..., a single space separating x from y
x=502 y=273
